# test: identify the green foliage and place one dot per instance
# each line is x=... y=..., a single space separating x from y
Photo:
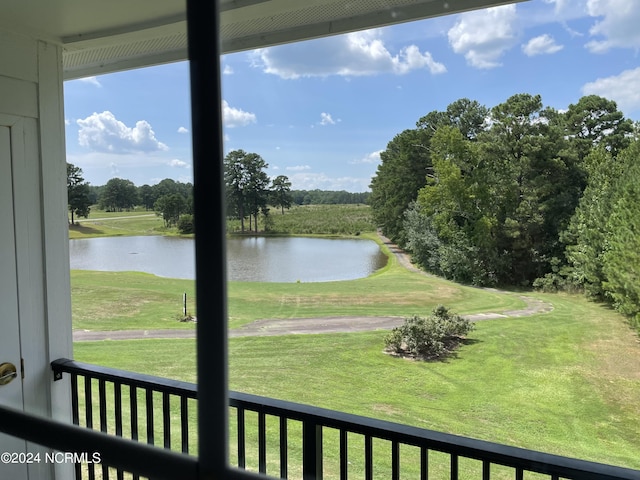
x=429 y=338
x=595 y=121
x=78 y=198
x=246 y=184
x=587 y=234
x=170 y=207
x=497 y=191
x=621 y=260
x=281 y=192
x=185 y=224
x=118 y=194
x=402 y=172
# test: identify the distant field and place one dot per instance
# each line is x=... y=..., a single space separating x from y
x=112 y=224
x=316 y=219
x=299 y=220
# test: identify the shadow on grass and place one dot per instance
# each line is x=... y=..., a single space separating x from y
x=453 y=352
x=85 y=229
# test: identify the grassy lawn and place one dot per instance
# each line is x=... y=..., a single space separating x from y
x=567 y=382
x=113 y=224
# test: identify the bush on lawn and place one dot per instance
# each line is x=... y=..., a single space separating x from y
x=433 y=337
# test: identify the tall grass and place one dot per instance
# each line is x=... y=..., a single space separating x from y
x=314 y=220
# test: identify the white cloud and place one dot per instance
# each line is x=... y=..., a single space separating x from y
x=373 y=157
x=623 y=88
x=91 y=80
x=541 y=45
x=227 y=70
x=618 y=26
x=325 y=119
x=483 y=36
x=353 y=54
x=103 y=132
x=234 y=117
x=179 y=163
x=183 y=130
x=321 y=181
x=298 y=168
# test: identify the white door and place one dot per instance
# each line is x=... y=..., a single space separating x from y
x=11 y=392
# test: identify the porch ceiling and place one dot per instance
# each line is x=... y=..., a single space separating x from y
x=101 y=37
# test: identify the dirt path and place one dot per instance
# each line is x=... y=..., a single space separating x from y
x=293 y=326
x=106 y=219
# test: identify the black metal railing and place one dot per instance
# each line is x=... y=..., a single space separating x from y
x=290 y=440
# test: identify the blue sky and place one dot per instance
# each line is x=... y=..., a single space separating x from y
x=321 y=111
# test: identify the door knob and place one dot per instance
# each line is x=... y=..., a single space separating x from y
x=7 y=373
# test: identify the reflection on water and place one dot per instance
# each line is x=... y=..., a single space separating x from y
x=258 y=259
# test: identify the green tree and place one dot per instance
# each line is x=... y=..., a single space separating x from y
x=586 y=236
x=119 y=194
x=281 y=192
x=402 y=172
x=78 y=198
x=458 y=202
x=406 y=163
x=468 y=116
x=246 y=184
x=595 y=121
x=170 y=207
x=536 y=185
x=147 y=196
x=621 y=260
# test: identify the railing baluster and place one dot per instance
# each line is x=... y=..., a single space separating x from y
x=395 y=460
x=519 y=474
x=454 y=466
x=184 y=424
x=133 y=405
x=262 y=442
x=133 y=402
x=102 y=405
x=75 y=415
x=344 y=455
x=486 y=470
x=166 y=420
x=368 y=457
x=117 y=402
x=284 y=448
x=242 y=453
x=149 y=410
x=424 y=463
x=311 y=451
x=88 y=418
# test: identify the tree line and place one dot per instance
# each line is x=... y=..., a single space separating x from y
x=171 y=200
x=249 y=191
x=519 y=194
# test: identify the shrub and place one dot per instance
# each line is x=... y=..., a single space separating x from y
x=185 y=224
x=433 y=337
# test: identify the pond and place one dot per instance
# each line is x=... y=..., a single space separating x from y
x=257 y=259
